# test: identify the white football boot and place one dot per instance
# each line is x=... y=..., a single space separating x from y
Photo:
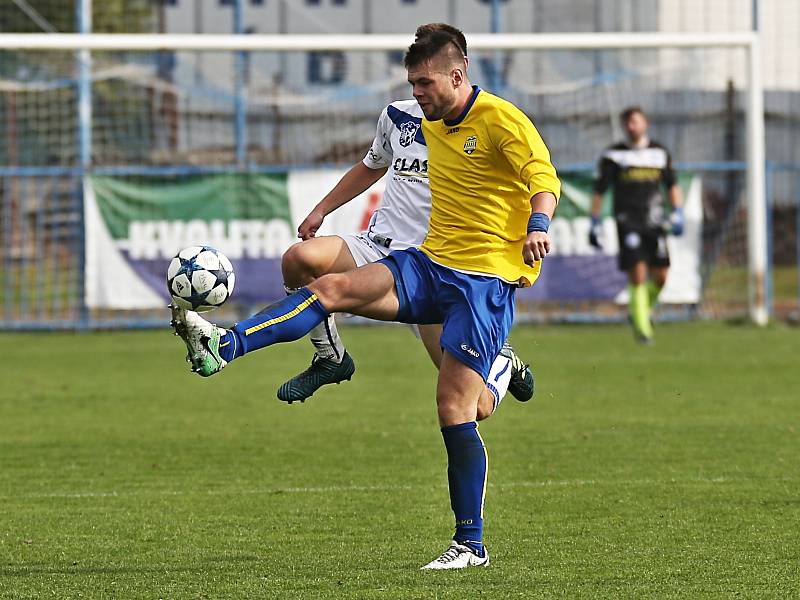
x=202 y=340
x=458 y=556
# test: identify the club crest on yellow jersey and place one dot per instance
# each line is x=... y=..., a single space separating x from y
x=471 y=144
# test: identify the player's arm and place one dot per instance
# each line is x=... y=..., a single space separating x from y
x=356 y=181
x=605 y=174
x=602 y=181
x=597 y=206
x=523 y=147
x=537 y=244
x=675 y=199
x=596 y=227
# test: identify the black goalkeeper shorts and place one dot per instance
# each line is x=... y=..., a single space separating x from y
x=636 y=245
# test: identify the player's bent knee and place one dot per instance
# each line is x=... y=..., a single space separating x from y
x=485 y=405
x=300 y=265
x=452 y=411
x=331 y=289
x=292 y=263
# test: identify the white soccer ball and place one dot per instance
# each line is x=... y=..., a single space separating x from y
x=200 y=278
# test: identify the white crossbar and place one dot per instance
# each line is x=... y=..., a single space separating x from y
x=363 y=43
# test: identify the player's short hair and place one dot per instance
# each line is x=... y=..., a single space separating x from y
x=432 y=44
x=457 y=34
x=628 y=112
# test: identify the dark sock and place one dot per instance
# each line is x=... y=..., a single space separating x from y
x=287 y=320
x=466 y=474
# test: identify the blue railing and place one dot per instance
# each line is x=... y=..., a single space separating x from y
x=44 y=242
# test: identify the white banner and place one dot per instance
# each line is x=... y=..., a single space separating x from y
x=134 y=228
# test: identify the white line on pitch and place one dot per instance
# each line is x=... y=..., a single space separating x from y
x=366 y=488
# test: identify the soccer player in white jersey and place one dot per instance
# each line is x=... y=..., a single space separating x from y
x=400 y=222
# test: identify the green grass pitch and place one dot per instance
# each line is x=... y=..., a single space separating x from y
x=637 y=472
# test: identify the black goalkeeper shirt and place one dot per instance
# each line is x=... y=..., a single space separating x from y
x=637 y=177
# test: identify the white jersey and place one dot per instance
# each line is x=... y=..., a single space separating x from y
x=402 y=218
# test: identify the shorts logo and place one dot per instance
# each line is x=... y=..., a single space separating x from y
x=471 y=144
x=407 y=132
x=661 y=250
x=470 y=351
x=633 y=240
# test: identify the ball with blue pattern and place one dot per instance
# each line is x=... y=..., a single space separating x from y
x=200 y=278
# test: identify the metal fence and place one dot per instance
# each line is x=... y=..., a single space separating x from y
x=182 y=113
x=783 y=285
x=42 y=247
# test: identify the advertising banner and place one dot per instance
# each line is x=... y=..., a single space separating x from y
x=576 y=271
x=134 y=226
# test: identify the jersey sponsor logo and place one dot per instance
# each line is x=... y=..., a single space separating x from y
x=374 y=156
x=408 y=131
x=661 y=249
x=470 y=351
x=471 y=144
x=645 y=174
x=453 y=130
x=405 y=165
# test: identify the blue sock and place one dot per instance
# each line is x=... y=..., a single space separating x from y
x=466 y=474
x=287 y=320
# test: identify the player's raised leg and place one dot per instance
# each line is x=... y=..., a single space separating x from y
x=368 y=291
x=303 y=263
x=521 y=383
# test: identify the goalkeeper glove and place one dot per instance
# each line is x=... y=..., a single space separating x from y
x=594 y=233
x=676 y=221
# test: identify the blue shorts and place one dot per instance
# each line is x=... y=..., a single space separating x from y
x=476 y=310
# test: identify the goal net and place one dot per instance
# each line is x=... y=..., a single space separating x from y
x=114 y=159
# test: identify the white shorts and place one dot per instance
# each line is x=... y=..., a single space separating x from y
x=365 y=251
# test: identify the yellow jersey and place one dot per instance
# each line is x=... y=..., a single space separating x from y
x=483 y=169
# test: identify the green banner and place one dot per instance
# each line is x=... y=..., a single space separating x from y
x=227 y=197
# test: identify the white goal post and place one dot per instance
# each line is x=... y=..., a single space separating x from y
x=757 y=249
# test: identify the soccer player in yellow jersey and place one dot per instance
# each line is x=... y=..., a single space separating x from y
x=493 y=193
